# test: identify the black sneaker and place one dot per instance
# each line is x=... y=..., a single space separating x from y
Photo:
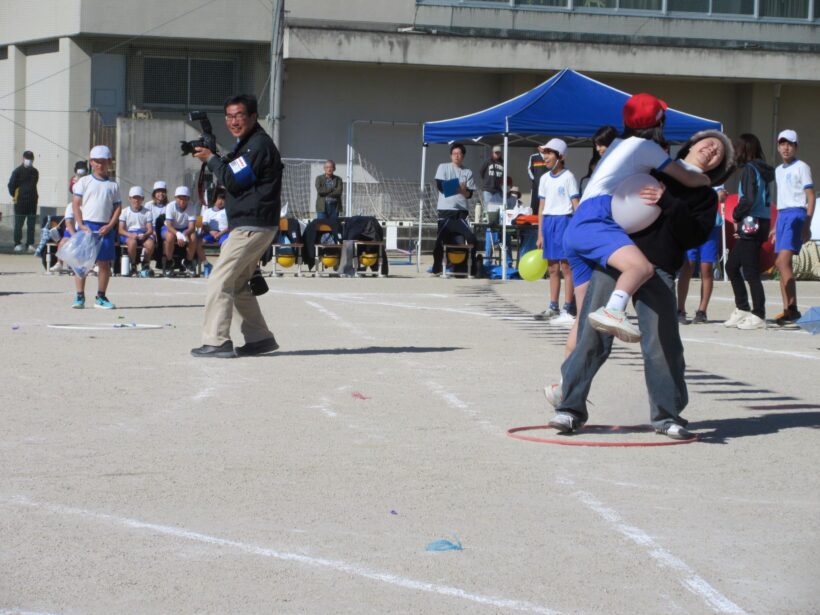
x=224 y=351
x=700 y=318
x=257 y=348
x=168 y=272
x=788 y=316
x=682 y=318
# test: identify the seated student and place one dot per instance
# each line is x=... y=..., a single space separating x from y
x=68 y=222
x=137 y=231
x=179 y=230
x=214 y=227
x=593 y=237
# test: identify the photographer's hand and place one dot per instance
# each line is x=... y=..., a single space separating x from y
x=203 y=153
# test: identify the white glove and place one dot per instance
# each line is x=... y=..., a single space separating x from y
x=182 y=237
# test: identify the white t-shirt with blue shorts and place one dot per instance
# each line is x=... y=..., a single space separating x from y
x=793 y=180
x=99 y=198
x=557 y=191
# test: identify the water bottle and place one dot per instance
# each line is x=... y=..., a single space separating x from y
x=125 y=265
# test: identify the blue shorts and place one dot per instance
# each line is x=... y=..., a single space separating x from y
x=789 y=229
x=708 y=251
x=124 y=239
x=553 y=229
x=592 y=236
x=66 y=234
x=164 y=231
x=208 y=238
x=107 y=251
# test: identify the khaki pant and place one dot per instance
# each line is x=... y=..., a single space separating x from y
x=228 y=289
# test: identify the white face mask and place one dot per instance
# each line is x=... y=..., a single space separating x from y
x=80 y=172
x=27 y=162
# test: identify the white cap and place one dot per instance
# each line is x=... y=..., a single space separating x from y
x=136 y=191
x=160 y=185
x=100 y=152
x=182 y=191
x=497 y=148
x=556 y=145
x=789 y=135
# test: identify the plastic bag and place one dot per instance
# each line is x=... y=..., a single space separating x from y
x=80 y=251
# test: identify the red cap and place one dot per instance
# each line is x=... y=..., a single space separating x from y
x=643 y=111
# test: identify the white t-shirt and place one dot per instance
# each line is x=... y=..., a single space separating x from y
x=558 y=192
x=156 y=209
x=447 y=170
x=792 y=181
x=215 y=219
x=69 y=212
x=137 y=221
x=625 y=157
x=99 y=198
x=178 y=217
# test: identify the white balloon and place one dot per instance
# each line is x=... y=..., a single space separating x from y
x=629 y=210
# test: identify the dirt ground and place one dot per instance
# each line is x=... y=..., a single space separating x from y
x=137 y=479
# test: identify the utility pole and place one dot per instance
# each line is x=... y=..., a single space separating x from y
x=276 y=69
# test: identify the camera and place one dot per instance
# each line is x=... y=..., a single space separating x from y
x=206 y=139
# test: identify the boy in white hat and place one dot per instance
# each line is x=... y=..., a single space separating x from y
x=137 y=231
x=795 y=208
x=179 y=230
x=558 y=197
x=96 y=205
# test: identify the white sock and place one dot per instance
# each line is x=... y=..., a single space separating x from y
x=618 y=301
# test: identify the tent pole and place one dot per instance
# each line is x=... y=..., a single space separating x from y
x=349 y=195
x=503 y=212
x=421 y=205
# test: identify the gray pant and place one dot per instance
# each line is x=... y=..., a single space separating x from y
x=660 y=344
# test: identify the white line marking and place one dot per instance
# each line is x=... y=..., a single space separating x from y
x=315 y=562
x=453 y=400
x=324 y=408
x=20 y=612
x=756 y=349
x=347 y=325
x=688 y=577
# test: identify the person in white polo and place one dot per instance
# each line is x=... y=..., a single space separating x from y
x=179 y=230
x=137 y=232
x=795 y=208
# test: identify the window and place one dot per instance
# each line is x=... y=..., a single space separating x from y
x=795 y=9
x=558 y=3
x=641 y=5
x=689 y=6
x=734 y=7
x=4 y=52
x=187 y=82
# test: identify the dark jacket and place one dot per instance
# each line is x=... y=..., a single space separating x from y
x=252 y=176
x=687 y=219
x=25 y=180
x=492 y=176
x=536 y=167
x=325 y=191
x=749 y=188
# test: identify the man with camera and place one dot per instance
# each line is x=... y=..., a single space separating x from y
x=252 y=175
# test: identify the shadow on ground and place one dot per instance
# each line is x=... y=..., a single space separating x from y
x=728 y=429
x=366 y=350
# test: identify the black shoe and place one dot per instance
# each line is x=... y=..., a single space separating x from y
x=256 y=348
x=168 y=272
x=225 y=351
x=700 y=318
x=682 y=318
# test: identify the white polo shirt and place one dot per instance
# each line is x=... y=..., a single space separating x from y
x=137 y=221
x=100 y=197
x=448 y=171
x=156 y=209
x=792 y=181
x=215 y=219
x=180 y=218
x=558 y=192
x=625 y=157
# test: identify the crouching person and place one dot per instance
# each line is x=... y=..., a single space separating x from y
x=137 y=232
x=179 y=230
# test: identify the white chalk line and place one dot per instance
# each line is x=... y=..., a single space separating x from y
x=21 y=612
x=315 y=562
x=454 y=401
x=343 y=323
x=324 y=407
x=756 y=349
x=687 y=576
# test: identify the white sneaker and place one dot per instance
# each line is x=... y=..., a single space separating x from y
x=19 y=247
x=31 y=249
x=615 y=323
x=676 y=432
x=554 y=394
x=750 y=322
x=57 y=267
x=564 y=318
x=736 y=317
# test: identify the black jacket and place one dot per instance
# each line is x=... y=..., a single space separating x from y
x=25 y=179
x=252 y=176
x=687 y=218
x=492 y=176
x=748 y=187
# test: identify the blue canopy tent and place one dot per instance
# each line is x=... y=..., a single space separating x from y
x=568 y=105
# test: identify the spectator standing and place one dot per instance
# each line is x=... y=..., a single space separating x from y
x=455 y=188
x=536 y=167
x=795 y=208
x=96 y=205
x=23 y=190
x=80 y=170
x=329 y=189
x=752 y=218
x=492 y=176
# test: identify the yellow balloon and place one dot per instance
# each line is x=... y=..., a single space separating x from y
x=456 y=257
x=286 y=260
x=367 y=259
x=330 y=261
x=532 y=266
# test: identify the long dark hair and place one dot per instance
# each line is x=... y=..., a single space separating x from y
x=653 y=133
x=605 y=135
x=748 y=148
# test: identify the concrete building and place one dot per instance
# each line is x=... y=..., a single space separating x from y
x=752 y=64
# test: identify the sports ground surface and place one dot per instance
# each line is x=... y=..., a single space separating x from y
x=136 y=479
